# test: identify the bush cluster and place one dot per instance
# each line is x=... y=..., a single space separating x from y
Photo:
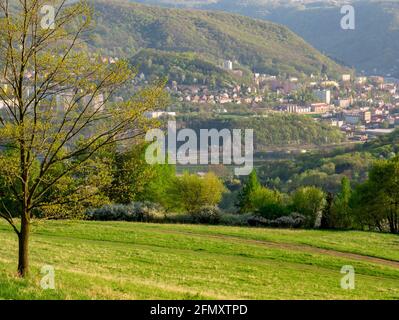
x=207 y=215
x=210 y=215
x=136 y=211
x=294 y=220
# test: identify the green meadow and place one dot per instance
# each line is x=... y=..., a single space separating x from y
x=118 y=260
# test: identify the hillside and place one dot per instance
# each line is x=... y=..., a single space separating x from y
x=371 y=47
x=275 y=130
x=126 y=28
x=384 y=145
x=326 y=168
x=186 y=68
x=121 y=260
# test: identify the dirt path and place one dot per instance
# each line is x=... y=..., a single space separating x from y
x=291 y=246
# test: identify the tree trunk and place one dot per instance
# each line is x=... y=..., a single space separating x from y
x=23 y=254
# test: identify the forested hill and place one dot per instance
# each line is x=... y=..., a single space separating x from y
x=275 y=130
x=371 y=47
x=124 y=28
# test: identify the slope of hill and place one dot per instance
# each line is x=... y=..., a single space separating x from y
x=125 y=28
x=275 y=130
x=384 y=145
x=122 y=260
x=186 y=68
x=326 y=168
x=371 y=47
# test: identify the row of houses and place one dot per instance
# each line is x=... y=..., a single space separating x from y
x=367 y=118
x=221 y=98
x=316 y=108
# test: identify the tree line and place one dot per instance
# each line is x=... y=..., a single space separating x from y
x=372 y=205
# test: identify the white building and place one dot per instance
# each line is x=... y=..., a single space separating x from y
x=228 y=65
x=346 y=77
x=297 y=109
x=159 y=114
x=361 y=80
x=343 y=103
x=323 y=95
x=336 y=123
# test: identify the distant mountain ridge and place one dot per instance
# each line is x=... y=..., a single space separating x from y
x=372 y=47
x=126 y=28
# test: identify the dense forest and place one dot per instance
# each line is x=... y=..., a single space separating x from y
x=122 y=29
x=185 y=68
x=326 y=169
x=273 y=130
x=370 y=47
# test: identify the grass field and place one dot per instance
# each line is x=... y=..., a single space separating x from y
x=116 y=260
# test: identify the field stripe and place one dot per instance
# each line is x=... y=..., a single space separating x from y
x=290 y=246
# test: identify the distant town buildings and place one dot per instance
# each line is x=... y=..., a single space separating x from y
x=343 y=103
x=357 y=117
x=355 y=105
x=159 y=114
x=346 y=77
x=361 y=80
x=291 y=108
x=323 y=95
x=320 y=108
x=376 y=80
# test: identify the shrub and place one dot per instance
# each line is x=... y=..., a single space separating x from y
x=137 y=211
x=239 y=220
x=191 y=192
x=207 y=215
x=178 y=218
x=149 y=212
x=294 y=220
x=268 y=203
x=309 y=201
x=257 y=221
x=225 y=219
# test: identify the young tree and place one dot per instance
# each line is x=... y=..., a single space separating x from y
x=326 y=218
x=268 y=203
x=59 y=105
x=136 y=180
x=191 y=192
x=157 y=190
x=310 y=202
x=368 y=213
x=341 y=212
x=244 y=198
x=131 y=174
x=376 y=202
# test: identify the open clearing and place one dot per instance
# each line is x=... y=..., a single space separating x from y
x=118 y=260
